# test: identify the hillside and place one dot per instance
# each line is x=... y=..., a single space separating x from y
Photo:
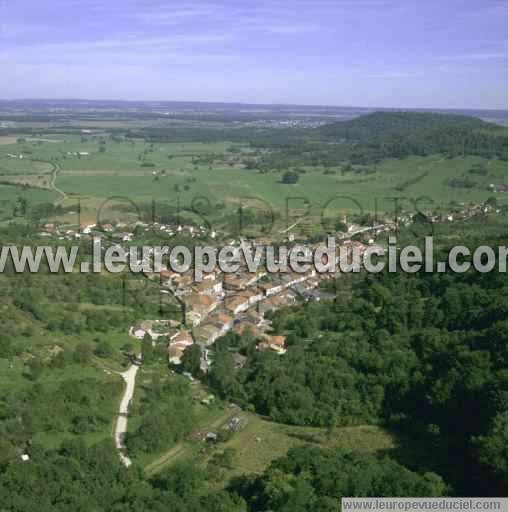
x=373 y=125
x=400 y=134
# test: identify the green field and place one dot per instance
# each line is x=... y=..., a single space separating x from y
x=262 y=441
x=171 y=172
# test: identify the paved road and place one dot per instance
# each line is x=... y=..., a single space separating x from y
x=129 y=377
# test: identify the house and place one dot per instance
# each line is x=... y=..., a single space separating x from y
x=275 y=343
x=202 y=305
x=167 y=277
x=241 y=281
x=239 y=302
x=206 y=334
x=183 y=280
x=212 y=276
x=208 y=286
x=49 y=227
x=236 y=304
x=178 y=343
x=271 y=288
x=182 y=338
x=86 y=229
x=224 y=321
x=139 y=333
x=318 y=295
x=175 y=353
x=278 y=341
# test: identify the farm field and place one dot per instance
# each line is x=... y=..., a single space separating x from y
x=320 y=195
x=96 y=168
x=171 y=172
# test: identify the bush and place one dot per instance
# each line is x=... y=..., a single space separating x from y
x=83 y=353
x=104 y=350
x=290 y=178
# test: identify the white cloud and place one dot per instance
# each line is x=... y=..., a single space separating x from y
x=492 y=55
x=393 y=74
x=165 y=15
x=130 y=41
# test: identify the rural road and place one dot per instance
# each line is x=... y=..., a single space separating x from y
x=52 y=184
x=129 y=376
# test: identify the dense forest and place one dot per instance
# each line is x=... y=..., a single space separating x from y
x=399 y=134
x=371 y=138
x=315 y=479
x=384 y=124
x=424 y=353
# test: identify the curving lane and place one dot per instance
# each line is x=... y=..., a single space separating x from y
x=129 y=376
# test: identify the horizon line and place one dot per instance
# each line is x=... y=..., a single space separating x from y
x=241 y=103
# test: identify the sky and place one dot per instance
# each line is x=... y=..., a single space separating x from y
x=373 y=53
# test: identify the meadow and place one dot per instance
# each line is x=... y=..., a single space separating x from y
x=262 y=441
x=95 y=168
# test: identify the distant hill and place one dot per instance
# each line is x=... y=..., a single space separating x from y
x=398 y=134
x=385 y=124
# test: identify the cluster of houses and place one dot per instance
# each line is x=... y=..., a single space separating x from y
x=220 y=302
x=79 y=154
x=226 y=302
x=497 y=187
x=121 y=231
x=238 y=302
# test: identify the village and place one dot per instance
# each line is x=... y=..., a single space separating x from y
x=224 y=302
x=237 y=302
x=220 y=302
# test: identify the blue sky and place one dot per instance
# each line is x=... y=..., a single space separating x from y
x=438 y=54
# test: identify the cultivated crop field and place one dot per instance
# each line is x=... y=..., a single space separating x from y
x=94 y=168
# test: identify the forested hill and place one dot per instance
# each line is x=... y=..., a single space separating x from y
x=399 y=134
x=371 y=126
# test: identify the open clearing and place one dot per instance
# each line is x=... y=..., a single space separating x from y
x=263 y=441
x=7 y=140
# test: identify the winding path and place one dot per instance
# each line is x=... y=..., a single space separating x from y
x=52 y=184
x=129 y=376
